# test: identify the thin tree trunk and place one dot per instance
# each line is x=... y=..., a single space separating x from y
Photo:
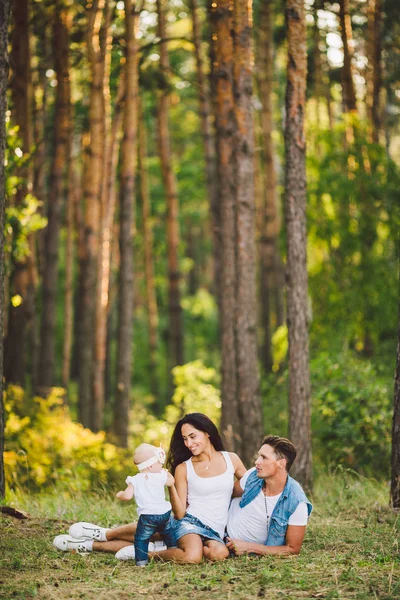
x=92 y=181
x=271 y=272
x=241 y=417
x=374 y=67
x=72 y=200
x=4 y=15
x=62 y=133
x=127 y=198
x=175 y=332
x=23 y=279
x=40 y=112
x=295 y=216
x=249 y=398
x=222 y=24
x=349 y=91
x=107 y=218
x=152 y=309
x=208 y=147
x=395 y=479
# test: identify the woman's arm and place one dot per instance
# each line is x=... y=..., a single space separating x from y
x=178 y=492
x=239 y=467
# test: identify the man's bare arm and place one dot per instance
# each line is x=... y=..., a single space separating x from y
x=294 y=540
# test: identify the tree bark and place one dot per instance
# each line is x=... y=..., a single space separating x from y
x=208 y=147
x=92 y=181
x=127 y=197
x=151 y=299
x=374 y=67
x=175 y=330
x=71 y=200
x=222 y=24
x=271 y=271
x=241 y=418
x=249 y=398
x=23 y=279
x=111 y=130
x=295 y=217
x=395 y=478
x=5 y=7
x=349 y=91
x=62 y=134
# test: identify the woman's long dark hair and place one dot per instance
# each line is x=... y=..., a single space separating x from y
x=178 y=452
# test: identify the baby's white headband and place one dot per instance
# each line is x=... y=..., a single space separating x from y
x=159 y=456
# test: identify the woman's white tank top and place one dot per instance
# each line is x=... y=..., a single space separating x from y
x=209 y=497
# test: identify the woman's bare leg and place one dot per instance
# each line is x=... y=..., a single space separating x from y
x=190 y=550
x=214 y=550
x=112 y=546
x=124 y=533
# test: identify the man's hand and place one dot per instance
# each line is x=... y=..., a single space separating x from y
x=238 y=546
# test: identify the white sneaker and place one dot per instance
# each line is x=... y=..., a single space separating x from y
x=66 y=542
x=88 y=531
x=127 y=553
x=158 y=546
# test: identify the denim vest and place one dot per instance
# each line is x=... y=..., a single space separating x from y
x=290 y=498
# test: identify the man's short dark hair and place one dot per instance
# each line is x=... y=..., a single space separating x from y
x=283 y=448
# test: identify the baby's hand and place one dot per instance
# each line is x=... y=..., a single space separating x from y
x=121 y=495
x=170 y=480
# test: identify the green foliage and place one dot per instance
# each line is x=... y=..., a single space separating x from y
x=353 y=222
x=196 y=390
x=23 y=219
x=45 y=448
x=352 y=412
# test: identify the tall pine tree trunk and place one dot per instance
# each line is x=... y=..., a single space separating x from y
x=92 y=181
x=222 y=24
x=151 y=300
x=249 y=398
x=395 y=479
x=349 y=91
x=107 y=217
x=295 y=216
x=374 y=66
x=208 y=147
x=127 y=197
x=23 y=279
x=62 y=133
x=271 y=271
x=175 y=332
x=241 y=418
x=4 y=15
x=71 y=200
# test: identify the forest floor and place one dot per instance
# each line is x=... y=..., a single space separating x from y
x=351 y=551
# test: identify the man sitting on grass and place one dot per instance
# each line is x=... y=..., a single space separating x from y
x=271 y=515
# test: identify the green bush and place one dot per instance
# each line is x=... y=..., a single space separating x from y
x=351 y=413
x=44 y=447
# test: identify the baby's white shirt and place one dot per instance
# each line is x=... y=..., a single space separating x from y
x=149 y=492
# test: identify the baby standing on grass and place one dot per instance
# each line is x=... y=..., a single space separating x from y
x=153 y=509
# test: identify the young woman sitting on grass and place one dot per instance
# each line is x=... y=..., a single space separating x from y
x=204 y=477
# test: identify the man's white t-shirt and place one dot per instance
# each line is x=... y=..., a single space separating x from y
x=250 y=523
x=149 y=492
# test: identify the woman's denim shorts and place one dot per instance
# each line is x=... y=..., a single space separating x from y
x=191 y=524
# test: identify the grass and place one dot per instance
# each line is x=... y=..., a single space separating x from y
x=351 y=551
